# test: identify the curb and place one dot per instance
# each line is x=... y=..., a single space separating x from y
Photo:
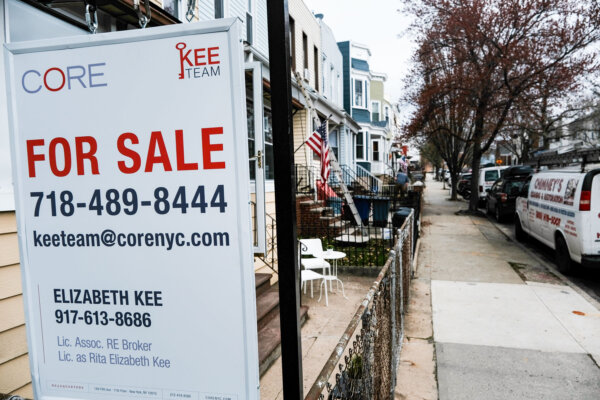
x=550 y=268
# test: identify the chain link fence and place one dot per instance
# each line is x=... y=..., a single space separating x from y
x=370 y=363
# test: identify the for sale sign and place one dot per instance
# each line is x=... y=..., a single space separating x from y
x=132 y=188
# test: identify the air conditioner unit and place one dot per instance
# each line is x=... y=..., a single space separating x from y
x=306 y=74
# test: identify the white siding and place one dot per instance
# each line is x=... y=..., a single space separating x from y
x=261 y=34
x=334 y=59
x=307 y=23
x=206 y=10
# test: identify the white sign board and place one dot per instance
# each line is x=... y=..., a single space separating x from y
x=131 y=168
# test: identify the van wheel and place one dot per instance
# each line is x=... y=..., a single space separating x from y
x=498 y=215
x=563 y=258
x=520 y=234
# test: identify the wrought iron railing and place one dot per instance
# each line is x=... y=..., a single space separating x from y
x=270 y=257
x=369 y=368
x=356 y=178
x=364 y=175
x=306 y=178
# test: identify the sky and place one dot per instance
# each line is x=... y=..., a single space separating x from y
x=377 y=24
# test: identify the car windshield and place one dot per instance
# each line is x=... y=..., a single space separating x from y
x=491 y=175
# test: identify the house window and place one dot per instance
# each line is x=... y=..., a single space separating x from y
x=333 y=142
x=332 y=78
x=219 y=9
x=360 y=146
x=316 y=61
x=360 y=88
x=387 y=113
x=305 y=49
x=249 y=26
x=376 y=150
x=269 y=158
x=172 y=7
x=293 y=42
x=251 y=135
x=375 y=111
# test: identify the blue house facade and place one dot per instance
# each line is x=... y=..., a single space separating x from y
x=364 y=101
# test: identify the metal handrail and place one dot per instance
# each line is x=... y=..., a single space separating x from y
x=374 y=182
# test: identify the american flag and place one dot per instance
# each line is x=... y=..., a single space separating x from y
x=319 y=144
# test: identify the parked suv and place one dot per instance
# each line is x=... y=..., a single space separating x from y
x=561 y=208
x=502 y=196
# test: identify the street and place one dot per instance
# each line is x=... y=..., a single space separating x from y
x=587 y=279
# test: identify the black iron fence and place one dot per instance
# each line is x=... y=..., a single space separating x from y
x=367 y=246
x=369 y=367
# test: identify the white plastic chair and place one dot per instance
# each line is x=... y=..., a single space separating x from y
x=308 y=275
x=313 y=247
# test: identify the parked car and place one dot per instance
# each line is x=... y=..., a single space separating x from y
x=517 y=170
x=447 y=176
x=487 y=177
x=560 y=208
x=464 y=185
x=501 y=197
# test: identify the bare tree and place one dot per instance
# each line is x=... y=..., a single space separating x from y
x=499 y=51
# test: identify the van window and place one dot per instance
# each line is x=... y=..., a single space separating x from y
x=491 y=175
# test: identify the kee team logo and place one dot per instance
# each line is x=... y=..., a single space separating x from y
x=198 y=63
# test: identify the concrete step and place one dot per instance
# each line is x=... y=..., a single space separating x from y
x=311 y=203
x=329 y=218
x=269 y=341
x=262 y=282
x=321 y=210
x=339 y=224
x=267 y=307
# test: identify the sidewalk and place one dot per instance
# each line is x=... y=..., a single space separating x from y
x=487 y=321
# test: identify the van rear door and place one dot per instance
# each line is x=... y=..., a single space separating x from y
x=489 y=178
x=590 y=219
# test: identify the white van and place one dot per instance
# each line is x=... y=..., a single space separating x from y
x=562 y=210
x=487 y=177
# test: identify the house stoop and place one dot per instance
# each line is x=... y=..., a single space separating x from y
x=267 y=317
x=315 y=219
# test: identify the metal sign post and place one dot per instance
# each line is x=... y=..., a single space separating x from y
x=130 y=159
x=285 y=198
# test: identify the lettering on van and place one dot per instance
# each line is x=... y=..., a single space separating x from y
x=549 y=184
x=550 y=189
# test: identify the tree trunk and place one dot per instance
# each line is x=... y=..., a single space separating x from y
x=474 y=201
x=454 y=185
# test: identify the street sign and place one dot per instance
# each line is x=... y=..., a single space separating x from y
x=131 y=168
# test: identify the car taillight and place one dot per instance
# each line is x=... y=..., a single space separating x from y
x=480 y=188
x=503 y=197
x=585 y=200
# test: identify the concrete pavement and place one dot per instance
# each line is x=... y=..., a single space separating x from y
x=488 y=321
